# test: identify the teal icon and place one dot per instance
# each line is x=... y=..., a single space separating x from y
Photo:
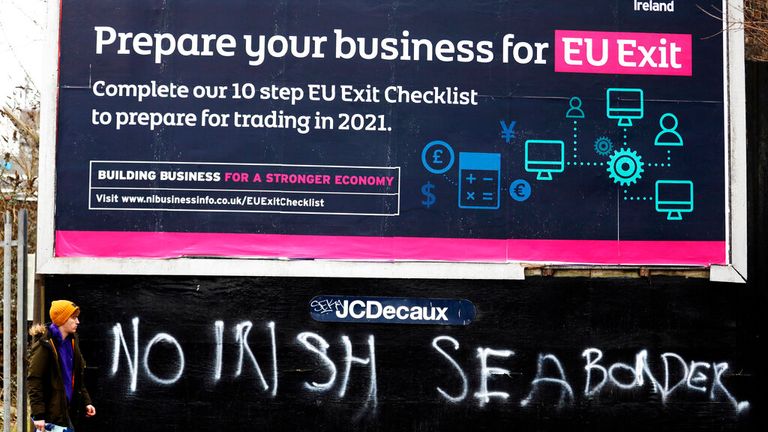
x=429 y=197
x=624 y=105
x=544 y=157
x=603 y=146
x=674 y=197
x=625 y=167
x=668 y=137
x=575 y=110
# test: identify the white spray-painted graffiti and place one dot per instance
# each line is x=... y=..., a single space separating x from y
x=241 y=336
x=674 y=376
x=325 y=306
x=459 y=370
x=688 y=376
x=566 y=392
x=484 y=396
x=311 y=341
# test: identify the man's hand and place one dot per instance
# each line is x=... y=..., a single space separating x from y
x=39 y=424
x=90 y=411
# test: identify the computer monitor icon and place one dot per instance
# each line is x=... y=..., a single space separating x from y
x=674 y=197
x=544 y=157
x=624 y=104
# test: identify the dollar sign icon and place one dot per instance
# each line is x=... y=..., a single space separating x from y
x=427 y=189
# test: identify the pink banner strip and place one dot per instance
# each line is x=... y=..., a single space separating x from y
x=118 y=244
x=623 y=53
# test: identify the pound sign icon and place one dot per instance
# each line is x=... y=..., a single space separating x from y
x=437 y=157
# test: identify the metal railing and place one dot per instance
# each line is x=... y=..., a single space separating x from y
x=21 y=321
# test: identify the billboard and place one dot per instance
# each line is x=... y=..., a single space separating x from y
x=450 y=132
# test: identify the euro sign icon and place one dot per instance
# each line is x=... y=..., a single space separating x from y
x=430 y=198
x=520 y=190
x=437 y=157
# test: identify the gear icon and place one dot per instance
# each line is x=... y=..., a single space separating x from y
x=625 y=167
x=603 y=146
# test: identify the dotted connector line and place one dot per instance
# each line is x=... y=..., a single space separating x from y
x=585 y=163
x=575 y=139
x=662 y=164
x=636 y=198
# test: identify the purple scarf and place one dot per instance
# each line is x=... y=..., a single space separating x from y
x=66 y=358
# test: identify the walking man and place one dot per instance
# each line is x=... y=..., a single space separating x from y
x=57 y=394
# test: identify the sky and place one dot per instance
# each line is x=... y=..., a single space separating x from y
x=22 y=37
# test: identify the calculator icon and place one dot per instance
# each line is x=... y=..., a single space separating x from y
x=479 y=180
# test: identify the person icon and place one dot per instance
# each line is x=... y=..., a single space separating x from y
x=575 y=111
x=668 y=137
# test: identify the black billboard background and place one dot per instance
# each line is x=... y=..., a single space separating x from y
x=580 y=203
x=697 y=320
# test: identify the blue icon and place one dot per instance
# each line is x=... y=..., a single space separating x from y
x=508 y=131
x=668 y=137
x=429 y=197
x=624 y=104
x=544 y=157
x=603 y=146
x=479 y=180
x=575 y=110
x=437 y=157
x=625 y=166
x=8 y=165
x=674 y=197
x=520 y=190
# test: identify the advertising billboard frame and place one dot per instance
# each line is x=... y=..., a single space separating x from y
x=735 y=269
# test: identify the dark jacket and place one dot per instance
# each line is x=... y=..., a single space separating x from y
x=47 y=398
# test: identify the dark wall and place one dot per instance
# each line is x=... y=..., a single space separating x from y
x=757 y=189
x=696 y=320
x=544 y=321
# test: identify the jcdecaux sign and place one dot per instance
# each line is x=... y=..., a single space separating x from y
x=388 y=310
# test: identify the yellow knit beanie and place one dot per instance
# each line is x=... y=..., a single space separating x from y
x=61 y=310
